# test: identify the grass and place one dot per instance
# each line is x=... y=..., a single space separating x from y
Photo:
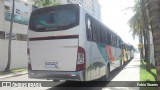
x=13 y=71
x=147 y=76
x=148 y=88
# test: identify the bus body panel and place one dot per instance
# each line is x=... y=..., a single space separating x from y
x=95 y=62
x=132 y=53
x=58 y=75
x=55 y=51
x=117 y=56
x=54 y=55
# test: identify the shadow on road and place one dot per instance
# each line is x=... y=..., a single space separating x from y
x=98 y=85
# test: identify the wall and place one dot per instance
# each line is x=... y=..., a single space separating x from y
x=19 y=48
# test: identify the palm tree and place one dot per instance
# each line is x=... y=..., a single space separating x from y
x=44 y=3
x=136 y=24
x=10 y=39
x=147 y=44
x=139 y=24
x=154 y=13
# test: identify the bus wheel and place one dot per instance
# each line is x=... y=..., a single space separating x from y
x=121 y=62
x=106 y=77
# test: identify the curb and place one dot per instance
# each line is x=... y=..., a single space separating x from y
x=13 y=75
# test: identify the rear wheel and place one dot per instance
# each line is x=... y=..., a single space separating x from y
x=106 y=77
x=122 y=62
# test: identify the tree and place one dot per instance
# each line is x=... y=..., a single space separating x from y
x=154 y=7
x=136 y=22
x=139 y=24
x=147 y=36
x=45 y=3
x=10 y=39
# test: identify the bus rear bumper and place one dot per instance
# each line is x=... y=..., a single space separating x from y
x=57 y=75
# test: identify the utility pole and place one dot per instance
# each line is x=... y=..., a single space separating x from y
x=10 y=38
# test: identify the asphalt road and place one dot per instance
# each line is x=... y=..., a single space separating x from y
x=62 y=85
x=67 y=85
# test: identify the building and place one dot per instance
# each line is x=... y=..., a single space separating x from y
x=19 y=35
x=92 y=6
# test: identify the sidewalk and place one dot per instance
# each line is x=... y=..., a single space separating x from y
x=129 y=73
x=13 y=74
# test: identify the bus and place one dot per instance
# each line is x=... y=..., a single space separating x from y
x=66 y=42
x=132 y=50
x=128 y=51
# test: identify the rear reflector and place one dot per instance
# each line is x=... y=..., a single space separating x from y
x=81 y=59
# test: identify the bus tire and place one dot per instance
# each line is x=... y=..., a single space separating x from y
x=121 y=62
x=106 y=76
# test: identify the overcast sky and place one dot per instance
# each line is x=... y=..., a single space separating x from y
x=115 y=16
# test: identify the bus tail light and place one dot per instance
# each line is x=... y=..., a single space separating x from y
x=81 y=59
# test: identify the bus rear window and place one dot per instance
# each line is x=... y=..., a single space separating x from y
x=54 y=19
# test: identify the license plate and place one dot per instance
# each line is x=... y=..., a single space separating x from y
x=51 y=64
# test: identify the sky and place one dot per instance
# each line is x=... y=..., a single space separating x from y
x=115 y=15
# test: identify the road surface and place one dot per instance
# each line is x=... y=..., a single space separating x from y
x=72 y=85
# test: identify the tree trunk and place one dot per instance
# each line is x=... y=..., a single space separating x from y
x=146 y=25
x=154 y=12
x=141 y=41
x=145 y=44
x=10 y=38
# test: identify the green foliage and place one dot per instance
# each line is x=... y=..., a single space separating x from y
x=45 y=3
x=136 y=23
x=19 y=70
x=13 y=71
x=148 y=88
x=145 y=75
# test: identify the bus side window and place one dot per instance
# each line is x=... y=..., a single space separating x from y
x=109 y=37
x=93 y=25
x=113 y=40
x=89 y=29
x=117 y=43
x=104 y=35
x=97 y=31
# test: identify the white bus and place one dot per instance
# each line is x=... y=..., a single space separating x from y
x=65 y=42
